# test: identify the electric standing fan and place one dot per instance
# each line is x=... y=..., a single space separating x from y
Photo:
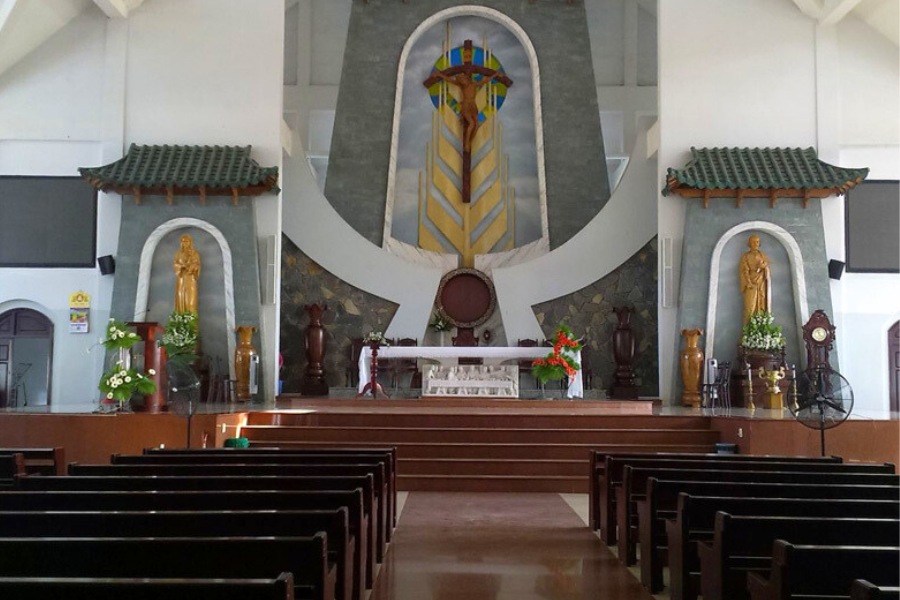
x=821 y=398
x=184 y=392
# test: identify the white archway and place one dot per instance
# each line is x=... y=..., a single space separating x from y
x=143 y=286
x=516 y=29
x=798 y=277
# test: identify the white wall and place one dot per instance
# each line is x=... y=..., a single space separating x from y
x=739 y=73
x=177 y=71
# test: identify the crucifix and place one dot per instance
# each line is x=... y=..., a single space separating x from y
x=463 y=77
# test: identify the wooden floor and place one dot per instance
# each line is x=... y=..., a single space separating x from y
x=460 y=546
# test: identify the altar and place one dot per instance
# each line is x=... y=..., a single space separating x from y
x=449 y=356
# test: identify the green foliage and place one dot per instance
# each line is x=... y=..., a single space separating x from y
x=120 y=384
x=438 y=322
x=560 y=363
x=118 y=336
x=761 y=333
x=180 y=338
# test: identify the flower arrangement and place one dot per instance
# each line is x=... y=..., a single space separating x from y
x=560 y=363
x=761 y=333
x=376 y=337
x=180 y=338
x=118 y=336
x=438 y=322
x=120 y=384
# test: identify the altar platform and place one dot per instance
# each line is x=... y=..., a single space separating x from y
x=447 y=444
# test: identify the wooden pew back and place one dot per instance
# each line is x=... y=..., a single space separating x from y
x=41 y=461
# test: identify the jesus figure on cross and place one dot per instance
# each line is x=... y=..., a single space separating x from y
x=463 y=77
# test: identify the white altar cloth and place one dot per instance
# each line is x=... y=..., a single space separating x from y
x=447 y=355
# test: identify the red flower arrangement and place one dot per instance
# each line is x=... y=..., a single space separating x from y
x=560 y=363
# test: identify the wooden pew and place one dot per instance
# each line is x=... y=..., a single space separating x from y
x=694 y=520
x=743 y=545
x=201 y=458
x=41 y=461
x=820 y=572
x=863 y=590
x=276 y=451
x=334 y=523
x=200 y=557
x=55 y=588
x=634 y=486
x=259 y=470
x=598 y=470
x=11 y=466
x=615 y=469
x=363 y=560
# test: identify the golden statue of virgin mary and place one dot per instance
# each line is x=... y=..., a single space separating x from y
x=756 y=280
x=187 y=270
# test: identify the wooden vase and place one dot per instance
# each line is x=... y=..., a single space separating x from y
x=691 y=367
x=624 y=386
x=314 y=383
x=242 y=356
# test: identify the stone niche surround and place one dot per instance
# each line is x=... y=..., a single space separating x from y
x=235 y=225
x=799 y=230
x=589 y=312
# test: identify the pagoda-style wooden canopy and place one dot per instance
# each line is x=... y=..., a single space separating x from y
x=759 y=173
x=184 y=171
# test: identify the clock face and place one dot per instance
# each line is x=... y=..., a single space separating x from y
x=819 y=334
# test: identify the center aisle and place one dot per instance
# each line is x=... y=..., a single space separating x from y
x=481 y=546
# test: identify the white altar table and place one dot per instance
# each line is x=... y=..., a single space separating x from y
x=448 y=355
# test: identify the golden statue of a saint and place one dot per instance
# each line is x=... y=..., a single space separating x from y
x=187 y=270
x=756 y=280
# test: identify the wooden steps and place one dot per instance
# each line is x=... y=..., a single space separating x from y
x=483 y=445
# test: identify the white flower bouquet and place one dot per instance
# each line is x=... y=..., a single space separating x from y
x=376 y=337
x=761 y=333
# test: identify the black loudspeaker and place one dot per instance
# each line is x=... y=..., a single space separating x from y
x=835 y=269
x=107 y=264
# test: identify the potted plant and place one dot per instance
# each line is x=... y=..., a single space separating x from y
x=439 y=324
x=762 y=342
x=560 y=363
x=120 y=381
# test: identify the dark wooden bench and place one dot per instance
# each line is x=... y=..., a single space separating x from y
x=694 y=520
x=234 y=500
x=634 y=486
x=823 y=572
x=863 y=590
x=599 y=466
x=11 y=466
x=743 y=545
x=41 y=461
x=375 y=469
x=199 y=557
x=334 y=523
x=615 y=470
x=390 y=452
x=82 y=588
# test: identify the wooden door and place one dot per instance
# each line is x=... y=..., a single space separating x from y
x=894 y=365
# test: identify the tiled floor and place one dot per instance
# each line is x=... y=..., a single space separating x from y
x=461 y=546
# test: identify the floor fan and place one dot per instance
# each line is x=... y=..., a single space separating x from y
x=821 y=399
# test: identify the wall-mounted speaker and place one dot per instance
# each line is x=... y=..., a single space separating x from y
x=835 y=269
x=107 y=264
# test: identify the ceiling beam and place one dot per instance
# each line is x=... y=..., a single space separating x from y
x=835 y=10
x=118 y=9
x=810 y=8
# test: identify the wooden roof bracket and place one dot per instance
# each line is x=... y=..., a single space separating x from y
x=170 y=196
x=234 y=196
x=137 y=195
x=739 y=194
x=706 y=198
x=203 y=195
x=773 y=197
x=806 y=196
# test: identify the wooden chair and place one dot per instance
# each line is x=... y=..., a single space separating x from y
x=466 y=341
x=525 y=364
x=407 y=365
x=356 y=346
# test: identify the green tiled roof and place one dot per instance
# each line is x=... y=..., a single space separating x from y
x=217 y=168
x=760 y=168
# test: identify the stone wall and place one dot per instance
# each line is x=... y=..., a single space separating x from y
x=589 y=312
x=351 y=313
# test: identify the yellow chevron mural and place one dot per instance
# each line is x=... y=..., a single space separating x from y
x=466 y=204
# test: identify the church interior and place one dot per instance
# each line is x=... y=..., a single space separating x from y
x=446 y=300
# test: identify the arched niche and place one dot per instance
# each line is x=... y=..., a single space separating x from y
x=153 y=261
x=720 y=290
x=26 y=356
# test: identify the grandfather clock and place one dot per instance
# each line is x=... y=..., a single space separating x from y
x=819 y=336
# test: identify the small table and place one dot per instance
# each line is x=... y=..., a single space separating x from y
x=447 y=356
